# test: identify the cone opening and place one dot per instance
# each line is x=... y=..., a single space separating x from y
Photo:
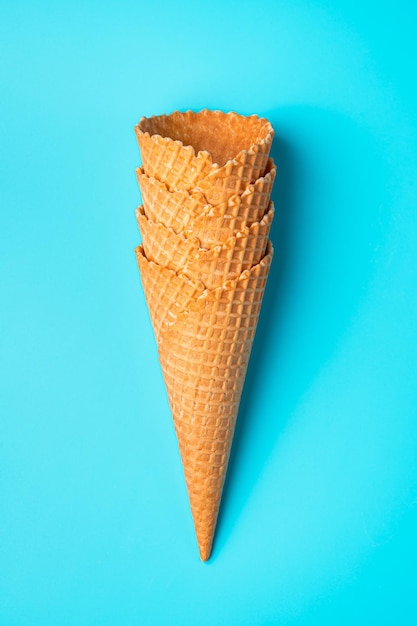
x=222 y=135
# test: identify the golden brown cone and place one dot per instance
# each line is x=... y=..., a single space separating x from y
x=204 y=352
x=181 y=149
x=183 y=252
x=190 y=211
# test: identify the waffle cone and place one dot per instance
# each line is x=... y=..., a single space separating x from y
x=182 y=149
x=182 y=210
x=213 y=266
x=204 y=352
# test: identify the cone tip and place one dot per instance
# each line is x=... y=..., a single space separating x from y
x=204 y=553
x=205 y=545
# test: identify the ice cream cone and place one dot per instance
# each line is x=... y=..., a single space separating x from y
x=181 y=149
x=204 y=351
x=213 y=266
x=182 y=210
x=206 y=180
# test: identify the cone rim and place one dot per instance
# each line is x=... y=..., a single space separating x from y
x=188 y=236
x=209 y=209
x=229 y=284
x=203 y=154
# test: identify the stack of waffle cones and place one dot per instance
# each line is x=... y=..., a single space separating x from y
x=206 y=180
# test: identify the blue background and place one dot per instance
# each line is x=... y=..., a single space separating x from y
x=319 y=517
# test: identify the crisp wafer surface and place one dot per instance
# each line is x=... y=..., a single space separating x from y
x=212 y=266
x=204 y=357
x=183 y=148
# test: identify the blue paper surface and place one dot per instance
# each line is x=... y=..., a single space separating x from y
x=318 y=522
